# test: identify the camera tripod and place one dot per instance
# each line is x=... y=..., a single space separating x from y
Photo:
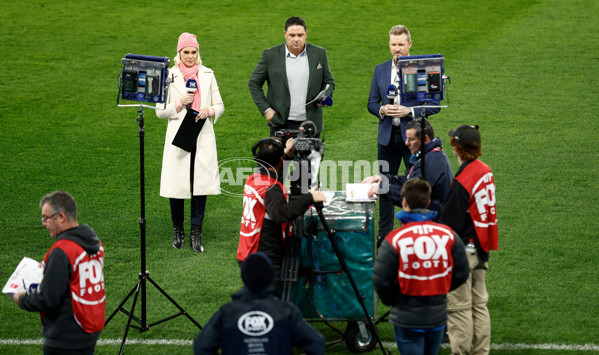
x=144 y=274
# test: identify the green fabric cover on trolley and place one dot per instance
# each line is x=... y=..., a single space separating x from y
x=322 y=287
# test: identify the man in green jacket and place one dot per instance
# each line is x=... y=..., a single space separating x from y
x=295 y=72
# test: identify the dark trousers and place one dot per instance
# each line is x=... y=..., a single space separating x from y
x=416 y=342
x=198 y=207
x=393 y=155
x=198 y=203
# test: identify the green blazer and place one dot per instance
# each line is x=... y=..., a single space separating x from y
x=271 y=69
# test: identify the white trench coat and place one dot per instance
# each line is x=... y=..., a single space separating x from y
x=174 y=180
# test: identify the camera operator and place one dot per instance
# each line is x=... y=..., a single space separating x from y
x=268 y=210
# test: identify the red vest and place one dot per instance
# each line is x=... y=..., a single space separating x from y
x=425 y=258
x=87 y=284
x=254 y=212
x=477 y=179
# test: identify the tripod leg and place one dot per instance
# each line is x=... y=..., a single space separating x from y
x=120 y=306
x=144 y=274
x=130 y=315
x=337 y=250
x=174 y=303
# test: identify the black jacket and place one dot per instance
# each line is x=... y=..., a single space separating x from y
x=279 y=211
x=54 y=295
x=437 y=172
x=419 y=312
x=258 y=321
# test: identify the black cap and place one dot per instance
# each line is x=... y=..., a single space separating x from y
x=257 y=272
x=466 y=135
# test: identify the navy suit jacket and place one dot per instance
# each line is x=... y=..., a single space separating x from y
x=378 y=97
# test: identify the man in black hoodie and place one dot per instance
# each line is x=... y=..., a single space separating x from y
x=256 y=321
x=71 y=297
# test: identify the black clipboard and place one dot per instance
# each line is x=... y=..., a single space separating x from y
x=188 y=132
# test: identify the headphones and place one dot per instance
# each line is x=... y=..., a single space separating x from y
x=269 y=140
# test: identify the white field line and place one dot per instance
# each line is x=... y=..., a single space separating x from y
x=181 y=342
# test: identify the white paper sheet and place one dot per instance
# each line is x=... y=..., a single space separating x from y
x=358 y=193
x=28 y=272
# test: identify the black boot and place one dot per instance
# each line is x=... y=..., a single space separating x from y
x=196 y=238
x=178 y=236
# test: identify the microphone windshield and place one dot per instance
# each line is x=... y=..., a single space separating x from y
x=191 y=85
x=391 y=92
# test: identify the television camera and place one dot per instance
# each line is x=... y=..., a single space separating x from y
x=307 y=155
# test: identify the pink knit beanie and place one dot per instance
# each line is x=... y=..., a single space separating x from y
x=187 y=40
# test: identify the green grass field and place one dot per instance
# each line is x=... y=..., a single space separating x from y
x=525 y=71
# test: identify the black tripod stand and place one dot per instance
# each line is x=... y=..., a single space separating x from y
x=144 y=274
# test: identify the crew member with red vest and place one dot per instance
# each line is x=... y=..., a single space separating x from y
x=417 y=265
x=470 y=209
x=71 y=297
x=268 y=210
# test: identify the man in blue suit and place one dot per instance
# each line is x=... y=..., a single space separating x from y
x=393 y=118
x=295 y=72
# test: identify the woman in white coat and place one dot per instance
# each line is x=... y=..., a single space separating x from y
x=190 y=175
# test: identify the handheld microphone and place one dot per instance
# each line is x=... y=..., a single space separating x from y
x=391 y=93
x=191 y=85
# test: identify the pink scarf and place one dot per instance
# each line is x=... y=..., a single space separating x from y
x=192 y=73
